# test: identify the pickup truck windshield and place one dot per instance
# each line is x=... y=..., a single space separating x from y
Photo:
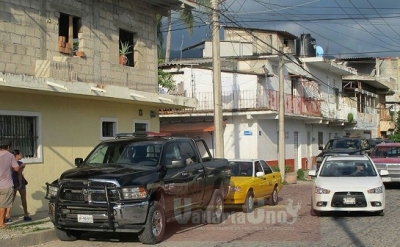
x=138 y=154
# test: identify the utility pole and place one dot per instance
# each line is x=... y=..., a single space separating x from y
x=218 y=126
x=281 y=146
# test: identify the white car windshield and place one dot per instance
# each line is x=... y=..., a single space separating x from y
x=348 y=168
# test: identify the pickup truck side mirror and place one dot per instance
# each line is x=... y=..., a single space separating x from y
x=321 y=147
x=177 y=164
x=78 y=162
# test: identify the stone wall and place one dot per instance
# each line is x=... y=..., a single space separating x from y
x=29 y=41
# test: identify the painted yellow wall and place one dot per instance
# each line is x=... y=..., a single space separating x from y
x=70 y=128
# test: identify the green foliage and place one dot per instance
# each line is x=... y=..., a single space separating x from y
x=166 y=80
x=350 y=117
x=275 y=168
x=300 y=174
x=396 y=135
x=124 y=50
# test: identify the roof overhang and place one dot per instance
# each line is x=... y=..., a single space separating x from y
x=329 y=65
x=185 y=127
x=378 y=83
x=164 y=6
x=84 y=90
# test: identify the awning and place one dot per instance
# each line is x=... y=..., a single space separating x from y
x=386 y=126
x=188 y=127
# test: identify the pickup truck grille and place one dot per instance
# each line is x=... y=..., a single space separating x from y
x=89 y=191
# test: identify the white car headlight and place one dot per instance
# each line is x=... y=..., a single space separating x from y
x=377 y=190
x=51 y=191
x=236 y=189
x=320 y=190
x=134 y=193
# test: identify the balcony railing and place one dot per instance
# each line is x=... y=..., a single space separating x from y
x=252 y=100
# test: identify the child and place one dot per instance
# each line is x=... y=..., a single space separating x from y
x=20 y=186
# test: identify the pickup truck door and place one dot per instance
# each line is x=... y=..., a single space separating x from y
x=194 y=171
x=175 y=182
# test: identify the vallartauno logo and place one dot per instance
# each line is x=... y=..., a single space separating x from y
x=264 y=215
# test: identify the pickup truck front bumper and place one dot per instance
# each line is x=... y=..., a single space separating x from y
x=117 y=218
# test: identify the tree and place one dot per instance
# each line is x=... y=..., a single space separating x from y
x=396 y=135
x=186 y=16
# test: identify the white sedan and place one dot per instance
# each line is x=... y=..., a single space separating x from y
x=348 y=183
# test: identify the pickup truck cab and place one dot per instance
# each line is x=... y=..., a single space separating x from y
x=138 y=183
x=386 y=156
x=346 y=145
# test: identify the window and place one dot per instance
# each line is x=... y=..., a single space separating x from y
x=126 y=48
x=69 y=33
x=140 y=125
x=108 y=128
x=188 y=152
x=266 y=167
x=23 y=130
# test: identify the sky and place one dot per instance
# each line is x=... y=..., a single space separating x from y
x=343 y=28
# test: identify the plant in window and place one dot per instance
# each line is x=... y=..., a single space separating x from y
x=350 y=117
x=123 y=51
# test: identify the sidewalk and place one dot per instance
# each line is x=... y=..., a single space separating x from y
x=26 y=233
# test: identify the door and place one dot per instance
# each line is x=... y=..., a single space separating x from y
x=271 y=180
x=261 y=186
x=296 y=150
x=176 y=182
x=195 y=172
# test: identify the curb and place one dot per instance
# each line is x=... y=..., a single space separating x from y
x=32 y=238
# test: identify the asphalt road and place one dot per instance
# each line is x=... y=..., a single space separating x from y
x=287 y=224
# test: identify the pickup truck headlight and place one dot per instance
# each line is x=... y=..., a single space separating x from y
x=51 y=191
x=320 y=190
x=236 y=189
x=377 y=190
x=134 y=193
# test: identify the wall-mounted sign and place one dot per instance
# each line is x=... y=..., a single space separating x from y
x=248 y=133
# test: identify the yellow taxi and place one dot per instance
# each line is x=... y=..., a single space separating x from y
x=252 y=180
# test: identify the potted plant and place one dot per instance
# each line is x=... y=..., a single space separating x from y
x=123 y=51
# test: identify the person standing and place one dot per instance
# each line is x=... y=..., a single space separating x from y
x=7 y=164
x=19 y=185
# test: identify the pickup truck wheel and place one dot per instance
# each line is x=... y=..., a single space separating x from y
x=67 y=235
x=154 y=227
x=273 y=199
x=248 y=205
x=215 y=208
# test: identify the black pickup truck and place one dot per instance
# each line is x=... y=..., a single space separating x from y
x=345 y=145
x=138 y=183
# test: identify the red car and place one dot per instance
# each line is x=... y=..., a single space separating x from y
x=386 y=156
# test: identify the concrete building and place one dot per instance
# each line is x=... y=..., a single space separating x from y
x=317 y=108
x=62 y=87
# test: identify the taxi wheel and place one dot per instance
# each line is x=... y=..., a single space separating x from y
x=249 y=203
x=273 y=199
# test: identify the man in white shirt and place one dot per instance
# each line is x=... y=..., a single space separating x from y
x=7 y=164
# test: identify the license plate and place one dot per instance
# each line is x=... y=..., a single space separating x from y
x=85 y=218
x=386 y=179
x=349 y=200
